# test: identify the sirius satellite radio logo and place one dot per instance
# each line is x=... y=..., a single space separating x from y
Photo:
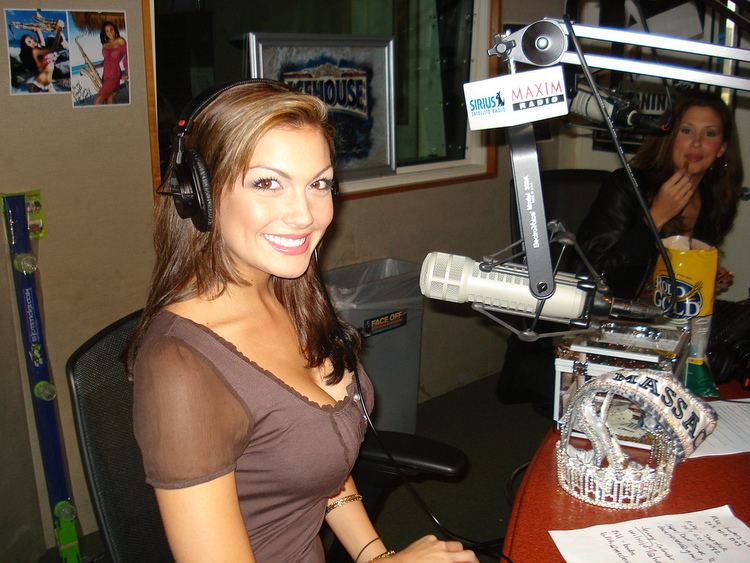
x=487 y=105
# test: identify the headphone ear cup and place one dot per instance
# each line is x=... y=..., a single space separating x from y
x=201 y=179
x=192 y=190
x=190 y=182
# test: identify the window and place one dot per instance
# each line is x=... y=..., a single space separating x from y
x=438 y=45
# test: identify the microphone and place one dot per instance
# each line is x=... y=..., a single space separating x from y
x=621 y=113
x=505 y=287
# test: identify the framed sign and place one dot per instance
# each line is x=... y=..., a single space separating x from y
x=352 y=75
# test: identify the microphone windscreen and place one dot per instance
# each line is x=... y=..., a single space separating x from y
x=459 y=279
x=585 y=105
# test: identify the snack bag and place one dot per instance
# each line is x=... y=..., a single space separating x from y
x=695 y=264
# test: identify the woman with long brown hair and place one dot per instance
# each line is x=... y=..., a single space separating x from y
x=247 y=406
x=690 y=178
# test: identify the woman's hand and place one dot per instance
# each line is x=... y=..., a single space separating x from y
x=429 y=549
x=724 y=278
x=671 y=199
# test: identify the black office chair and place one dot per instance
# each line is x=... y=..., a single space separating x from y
x=102 y=399
x=528 y=369
x=125 y=506
x=568 y=194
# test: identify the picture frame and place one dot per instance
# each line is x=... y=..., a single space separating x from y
x=353 y=75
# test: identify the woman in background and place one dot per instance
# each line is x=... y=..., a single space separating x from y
x=247 y=406
x=114 y=52
x=690 y=179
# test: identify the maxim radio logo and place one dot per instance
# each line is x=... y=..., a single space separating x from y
x=537 y=94
x=342 y=89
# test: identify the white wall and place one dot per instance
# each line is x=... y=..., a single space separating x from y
x=735 y=255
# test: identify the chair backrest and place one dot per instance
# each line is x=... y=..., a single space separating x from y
x=102 y=399
x=568 y=194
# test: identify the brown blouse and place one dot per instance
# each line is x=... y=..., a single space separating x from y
x=202 y=409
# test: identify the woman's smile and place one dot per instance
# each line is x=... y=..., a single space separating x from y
x=289 y=244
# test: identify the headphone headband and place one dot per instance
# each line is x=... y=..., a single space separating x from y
x=189 y=179
x=198 y=103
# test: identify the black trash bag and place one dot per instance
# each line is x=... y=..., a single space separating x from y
x=728 y=350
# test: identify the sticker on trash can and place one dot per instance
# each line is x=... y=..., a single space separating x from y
x=384 y=323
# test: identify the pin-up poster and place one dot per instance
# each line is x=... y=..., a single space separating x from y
x=80 y=53
x=38 y=51
x=98 y=58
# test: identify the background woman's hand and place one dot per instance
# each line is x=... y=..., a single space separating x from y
x=724 y=278
x=671 y=199
x=429 y=548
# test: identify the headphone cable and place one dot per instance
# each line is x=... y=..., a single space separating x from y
x=481 y=546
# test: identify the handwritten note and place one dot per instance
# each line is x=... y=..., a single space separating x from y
x=711 y=536
x=730 y=435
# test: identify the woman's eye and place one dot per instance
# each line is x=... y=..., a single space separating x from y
x=266 y=184
x=711 y=133
x=322 y=184
x=685 y=130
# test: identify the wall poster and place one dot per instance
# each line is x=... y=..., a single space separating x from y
x=80 y=53
x=99 y=58
x=38 y=51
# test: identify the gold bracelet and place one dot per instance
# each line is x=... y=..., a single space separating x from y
x=385 y=555
x=342 y=501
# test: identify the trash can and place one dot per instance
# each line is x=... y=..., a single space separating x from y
x=381 y=298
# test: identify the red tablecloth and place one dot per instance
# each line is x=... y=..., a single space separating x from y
x=540 y=505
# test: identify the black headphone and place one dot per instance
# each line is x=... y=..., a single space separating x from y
x=189 y=182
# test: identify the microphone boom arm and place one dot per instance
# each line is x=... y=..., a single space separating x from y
x=531 y=216
x=507 y=48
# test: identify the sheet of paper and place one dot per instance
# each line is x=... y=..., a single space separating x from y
x=730 y=435
x=711 y=536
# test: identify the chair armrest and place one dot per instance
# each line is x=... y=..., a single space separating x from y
x=421 y=457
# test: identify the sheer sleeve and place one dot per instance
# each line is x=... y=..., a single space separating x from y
x=190 y=425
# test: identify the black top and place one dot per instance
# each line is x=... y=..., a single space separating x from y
x=617 y=241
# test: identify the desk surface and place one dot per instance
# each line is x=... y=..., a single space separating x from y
x=541 y=505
